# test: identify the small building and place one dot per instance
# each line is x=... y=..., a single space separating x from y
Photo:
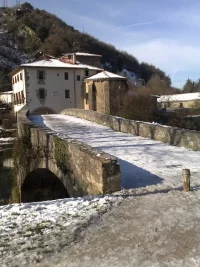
x=86 y=58
x=6 y=97
x=50 y=85
x=104 y=92
x=177 y=101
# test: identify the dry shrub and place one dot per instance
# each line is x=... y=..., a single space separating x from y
x=140 y=107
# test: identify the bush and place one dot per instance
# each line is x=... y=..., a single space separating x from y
x=139 y=107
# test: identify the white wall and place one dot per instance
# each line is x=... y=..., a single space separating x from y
x=19 y=86
x=55 y=86
x=6 y=97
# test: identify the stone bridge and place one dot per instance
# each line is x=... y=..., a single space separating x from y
x=63 y=156
x=50 y=167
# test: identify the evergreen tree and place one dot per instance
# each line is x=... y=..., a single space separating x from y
x=197 y=86
x=189 y=86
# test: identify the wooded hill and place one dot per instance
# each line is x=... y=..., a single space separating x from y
x=25 y=31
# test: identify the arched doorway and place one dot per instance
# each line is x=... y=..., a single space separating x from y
x=42 y=185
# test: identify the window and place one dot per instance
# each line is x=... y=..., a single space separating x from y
x=23 y=98
x=78 y=78
x=86 y=98
x=13 y=80
x=21 y=76
x=181 y=105
x=67 y=93
x=86 y=73
x=18 y=78
x=66 y=76
x=17 y=99
x=41 y=93
x=41 y=75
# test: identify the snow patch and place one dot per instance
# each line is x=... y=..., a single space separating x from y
x=28 y=231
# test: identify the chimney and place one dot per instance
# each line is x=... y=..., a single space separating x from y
x=74 y=59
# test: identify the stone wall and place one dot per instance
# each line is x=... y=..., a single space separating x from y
x=118 y=89
x=109 y=95
x=180 y=104
x=101 y=89
x=166 y=134
x=82 y=169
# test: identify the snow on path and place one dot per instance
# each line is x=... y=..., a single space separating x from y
x=143 y=162
x=28 y=232
x=155 y=230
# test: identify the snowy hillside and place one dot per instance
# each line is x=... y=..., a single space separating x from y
x=10 y=56
x=132 y=77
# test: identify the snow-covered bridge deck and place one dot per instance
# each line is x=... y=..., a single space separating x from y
x=143 y=162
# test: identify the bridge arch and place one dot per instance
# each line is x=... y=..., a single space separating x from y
x=43 y=111
x=41 y=185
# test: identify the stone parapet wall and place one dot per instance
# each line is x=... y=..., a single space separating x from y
x=166 y=134
x=82 y=169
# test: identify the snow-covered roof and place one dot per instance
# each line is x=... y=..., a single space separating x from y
x=179 y=97
x=56 y=63
x=106 y=75
x=84 y=54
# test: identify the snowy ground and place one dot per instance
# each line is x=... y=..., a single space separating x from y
x=154 y=230
x=150 y=226
x=145 y=229
x=143 y=162
x=28 y=232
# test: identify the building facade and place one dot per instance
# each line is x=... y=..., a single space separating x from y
x=6 y=97
x=50 y=85
x=104 y=92
x=189 y=100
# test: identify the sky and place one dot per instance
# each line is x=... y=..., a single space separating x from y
x=159 y=32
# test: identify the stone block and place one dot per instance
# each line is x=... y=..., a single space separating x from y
x=145 y=130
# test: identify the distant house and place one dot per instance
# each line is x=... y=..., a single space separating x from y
x=50 y=85
x=104 y=92
x=6 y=97
x=188 y=100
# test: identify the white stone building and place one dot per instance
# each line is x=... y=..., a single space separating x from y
x=6 y=97
x=50 y=85
x=177 y=101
